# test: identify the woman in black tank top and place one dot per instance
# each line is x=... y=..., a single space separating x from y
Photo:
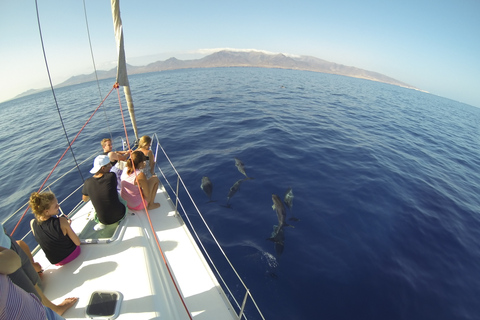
x=55 y=235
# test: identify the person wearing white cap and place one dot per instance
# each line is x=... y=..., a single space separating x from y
x=102 y=190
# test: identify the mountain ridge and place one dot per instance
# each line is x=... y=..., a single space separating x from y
x=231 y=58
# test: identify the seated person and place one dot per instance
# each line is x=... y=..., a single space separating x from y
x=27 y=251
x=26 y=278
x=16 y=303
x=55 y=235
x=114 y=157
x=132 y=177
x=144 y=146
x=102 y=190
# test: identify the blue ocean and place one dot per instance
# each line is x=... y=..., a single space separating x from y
x=385 y=182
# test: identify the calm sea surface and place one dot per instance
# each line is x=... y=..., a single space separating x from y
x=385 y=179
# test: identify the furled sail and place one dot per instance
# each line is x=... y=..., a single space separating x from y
x=122 y=77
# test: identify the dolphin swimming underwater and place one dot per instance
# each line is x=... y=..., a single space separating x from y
x=288 y=199
x=241 y=167
x=234 y=189
x=207 y=187
x=279 y=207
x=278 y=237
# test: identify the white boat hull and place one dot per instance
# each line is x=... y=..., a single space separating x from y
x=133 y=266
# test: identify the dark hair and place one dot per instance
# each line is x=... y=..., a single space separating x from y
x=137 y=157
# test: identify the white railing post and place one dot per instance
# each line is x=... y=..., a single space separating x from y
x=176 y=195
x=240 y=315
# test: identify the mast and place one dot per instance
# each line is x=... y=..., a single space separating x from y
x=122 y=77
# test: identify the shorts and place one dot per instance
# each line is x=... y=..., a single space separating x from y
x=143 y=204
x=75 y=253
x=122 y=201
x=25 y=277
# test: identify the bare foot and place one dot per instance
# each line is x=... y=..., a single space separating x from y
x=37 y=267
x=154 y=206
x=65 y=305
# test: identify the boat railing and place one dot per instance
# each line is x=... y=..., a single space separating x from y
x=176 y=189
x=68 y=199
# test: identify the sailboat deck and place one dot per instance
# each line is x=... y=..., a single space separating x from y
x=132 y=265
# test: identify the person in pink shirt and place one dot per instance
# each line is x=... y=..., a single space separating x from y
x=132 y=177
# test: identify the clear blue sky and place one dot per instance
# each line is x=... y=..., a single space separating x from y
x=432 y=45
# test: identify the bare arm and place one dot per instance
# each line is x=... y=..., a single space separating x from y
x=68 y=231
x=9 y=261
x=118 y=156
x=31 y=226
x=151 y=159
x=85 y=198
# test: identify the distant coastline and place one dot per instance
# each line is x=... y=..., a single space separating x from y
x=230 y=58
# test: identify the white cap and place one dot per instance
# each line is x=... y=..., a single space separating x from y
x=99 y=162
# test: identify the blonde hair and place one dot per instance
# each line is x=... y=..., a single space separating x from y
x=137 y=157
x=144 y=141
x=40 y=202
x=105 y=141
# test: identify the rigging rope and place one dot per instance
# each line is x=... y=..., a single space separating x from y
x=95 y=67
x=157 y=242
x=116 y=86
x=53 y=91
x=63 y=155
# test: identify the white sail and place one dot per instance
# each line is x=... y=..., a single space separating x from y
x=122 y=77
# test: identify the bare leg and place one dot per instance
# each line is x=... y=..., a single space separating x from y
x=26 y=249
x=61 y=308
x=152 y=190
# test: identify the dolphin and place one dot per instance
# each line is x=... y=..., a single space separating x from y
x=234 y=189
x=278 y=237
x=241 y=167
x=279 y=207
x=288 y=199
x=207 y=187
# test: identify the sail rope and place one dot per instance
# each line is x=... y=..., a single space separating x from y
x=95 y=68
x=53 y=91
x=157 y=242
x=58 y=162
x=211 y=234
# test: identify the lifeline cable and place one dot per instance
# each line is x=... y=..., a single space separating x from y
x=63 y=155
x=53 y=91
x=116 y=86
